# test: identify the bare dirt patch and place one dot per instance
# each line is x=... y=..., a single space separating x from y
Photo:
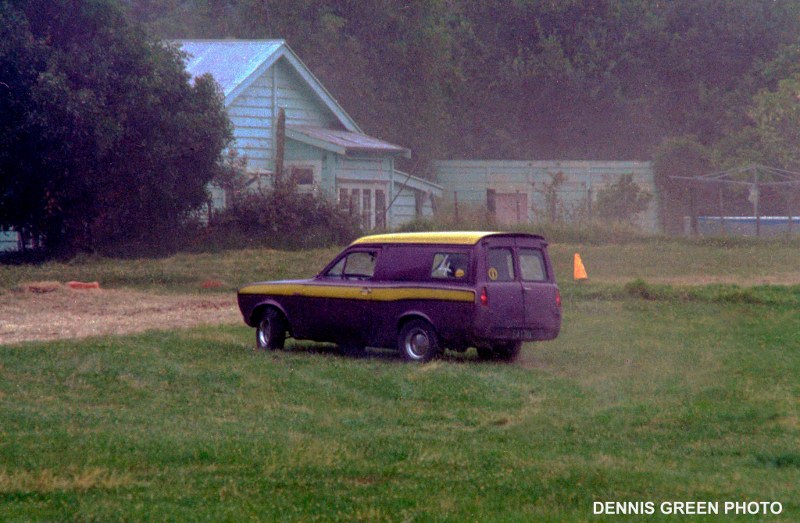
x=61 y=312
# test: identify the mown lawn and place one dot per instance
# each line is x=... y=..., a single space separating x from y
x=638 y=400
x=684 y=262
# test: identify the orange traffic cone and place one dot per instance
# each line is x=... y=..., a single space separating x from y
x=579 y=272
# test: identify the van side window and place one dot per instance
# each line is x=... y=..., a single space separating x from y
x=359 y=265
x=450 y=265
x=336 y=270
x=531 y=265
x=500 y=263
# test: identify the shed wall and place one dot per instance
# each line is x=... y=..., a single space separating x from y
x=584 y=179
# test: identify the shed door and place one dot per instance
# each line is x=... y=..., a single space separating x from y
x=511 y=208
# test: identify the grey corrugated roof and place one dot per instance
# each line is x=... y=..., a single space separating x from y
x=343 y=141
x=230 y=62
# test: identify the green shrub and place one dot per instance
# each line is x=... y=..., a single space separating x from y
x=282 y=219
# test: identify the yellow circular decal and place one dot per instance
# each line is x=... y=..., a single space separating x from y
x=492 y=273
x=459 y=273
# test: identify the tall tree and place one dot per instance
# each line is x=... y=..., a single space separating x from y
x=107 y=140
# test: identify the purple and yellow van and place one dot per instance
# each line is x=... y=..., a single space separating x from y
x=419 y=293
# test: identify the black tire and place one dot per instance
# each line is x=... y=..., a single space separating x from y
x=507 y=351
x=418 y=341
x=271 y=330
x=352 y=350
x=485 y=353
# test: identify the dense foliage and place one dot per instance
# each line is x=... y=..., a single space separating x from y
x=103 y=139
x=623 y=200
x=513 y=79
x=275 y=216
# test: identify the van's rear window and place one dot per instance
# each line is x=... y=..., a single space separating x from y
x=531 y=265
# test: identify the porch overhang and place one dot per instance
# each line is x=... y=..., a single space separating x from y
x=343 y=142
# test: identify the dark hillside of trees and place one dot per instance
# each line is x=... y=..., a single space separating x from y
x=530 y=79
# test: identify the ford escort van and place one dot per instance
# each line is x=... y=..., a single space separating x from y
x=420 y=293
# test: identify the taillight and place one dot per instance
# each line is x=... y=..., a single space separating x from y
x=484 y=297
x=558 y=298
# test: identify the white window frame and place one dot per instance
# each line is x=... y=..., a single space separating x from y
x=372 y=187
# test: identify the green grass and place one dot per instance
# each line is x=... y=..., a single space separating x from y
x=178 y=273
x=636 y=400
x=653 y=392
x=745 y=262
x=685 y=260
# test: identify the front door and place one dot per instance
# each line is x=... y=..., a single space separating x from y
x=365 y=202
x=345 y=306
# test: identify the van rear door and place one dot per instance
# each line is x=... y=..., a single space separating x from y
x=540 y=293
x=503 y=289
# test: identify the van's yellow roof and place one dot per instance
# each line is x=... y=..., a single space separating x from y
x=454 y=237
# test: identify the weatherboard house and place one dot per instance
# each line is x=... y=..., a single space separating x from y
x=325 y=150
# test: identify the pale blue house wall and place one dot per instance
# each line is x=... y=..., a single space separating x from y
x=9 y=241
x=251 y=115
x=297 y=99
x=260 y=77
x=472 y=178
x=253 y=112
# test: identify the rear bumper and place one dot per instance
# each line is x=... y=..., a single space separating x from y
x=516 y=334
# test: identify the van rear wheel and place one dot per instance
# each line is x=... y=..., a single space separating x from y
x=485 y=353
x=418 y=341
x=507 y=351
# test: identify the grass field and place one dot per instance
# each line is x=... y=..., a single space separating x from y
x=651 y=393
x=679 y=262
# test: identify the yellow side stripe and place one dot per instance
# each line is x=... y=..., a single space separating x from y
x=358 y=293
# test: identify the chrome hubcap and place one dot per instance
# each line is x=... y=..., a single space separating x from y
x=417 y=343
x=263 y=332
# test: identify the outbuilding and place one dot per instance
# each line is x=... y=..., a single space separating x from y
x=519 y=192
x=325 y=150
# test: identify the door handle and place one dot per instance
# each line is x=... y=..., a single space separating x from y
x=366 y=291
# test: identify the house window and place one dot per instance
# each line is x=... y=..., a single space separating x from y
x=302 y=175
x=306 y=174
x=365 y=203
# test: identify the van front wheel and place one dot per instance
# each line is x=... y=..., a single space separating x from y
x=418 y=341
x=271 y=330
